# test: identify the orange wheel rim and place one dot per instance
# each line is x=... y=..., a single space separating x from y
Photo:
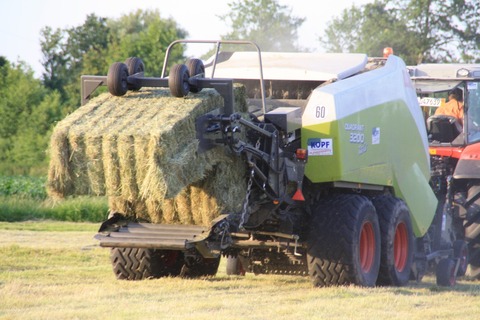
x=400 y=247
x=367 y=247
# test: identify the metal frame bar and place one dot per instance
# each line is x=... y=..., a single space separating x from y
x=217 y=50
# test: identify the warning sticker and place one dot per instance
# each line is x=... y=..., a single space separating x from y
x=320 y=147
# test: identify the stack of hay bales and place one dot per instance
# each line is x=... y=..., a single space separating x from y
x=140 y=150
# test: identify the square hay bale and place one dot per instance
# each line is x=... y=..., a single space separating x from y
x=141 y=151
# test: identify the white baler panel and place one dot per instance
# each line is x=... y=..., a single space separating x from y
x=289 y=66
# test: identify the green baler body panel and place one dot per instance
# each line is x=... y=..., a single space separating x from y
x=369 y=129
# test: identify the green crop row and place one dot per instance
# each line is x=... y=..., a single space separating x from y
x=78 y=209
x=25 y=198
x=23 y=187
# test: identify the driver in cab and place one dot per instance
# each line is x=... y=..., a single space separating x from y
x=454 y=106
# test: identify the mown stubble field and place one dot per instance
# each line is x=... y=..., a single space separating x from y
x=55 y=270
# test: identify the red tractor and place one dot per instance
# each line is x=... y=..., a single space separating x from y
x=454 y=145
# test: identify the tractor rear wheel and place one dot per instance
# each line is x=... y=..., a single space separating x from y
x=139 y=263
x=235 y=266
x=397 y=241
x=460 y=252
x=135 y=65
x=344 y=242
x=178 y=81
x=196 y=68
x=445 y=273
x=472 y=235
x=117 y=79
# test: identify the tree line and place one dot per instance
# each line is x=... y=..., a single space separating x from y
x=418 y=30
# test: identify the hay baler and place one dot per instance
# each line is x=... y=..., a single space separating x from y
x=337 y=179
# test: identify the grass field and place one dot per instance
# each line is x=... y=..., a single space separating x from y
x=55 y=270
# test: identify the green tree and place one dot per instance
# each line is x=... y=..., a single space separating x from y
x=418 y=30
x=29 y=153
x=450 y=28
x=29 y=110
x=265 y=22
x=146 y=35
x=93 y=46
x=91 y=39
x=20 y=93
x=54 y=58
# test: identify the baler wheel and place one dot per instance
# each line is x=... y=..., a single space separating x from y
x=135 y=65
x=203 y=268
x=195 y=69
x=343 y=246
x=397 y=241
x=445 y=273
x=139 y=263
x=178 y=81
x=117 y=79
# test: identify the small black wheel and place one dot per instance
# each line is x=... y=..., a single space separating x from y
x=135 y=65
x=117 y=79
x=460 y=251
x=235 y=266
x=196 y=69
x=178 y=80
x=446 y=273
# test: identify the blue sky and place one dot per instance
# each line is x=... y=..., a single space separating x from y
x=22 y=20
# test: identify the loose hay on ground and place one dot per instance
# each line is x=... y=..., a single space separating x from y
x=141 y=151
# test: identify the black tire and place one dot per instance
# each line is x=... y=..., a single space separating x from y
x=473 y=269
x=460 y=252
x=472 y=236
x=117 y=79
x=397 y=241
x=139 y=263
x=195 y=68
x=344 y=242
x=178 y=81
x=446 y=273
x=134 y=65
x=235 y=266
x=203 y=268
x=420 y=263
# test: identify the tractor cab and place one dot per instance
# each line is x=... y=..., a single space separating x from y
x=433 y=83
